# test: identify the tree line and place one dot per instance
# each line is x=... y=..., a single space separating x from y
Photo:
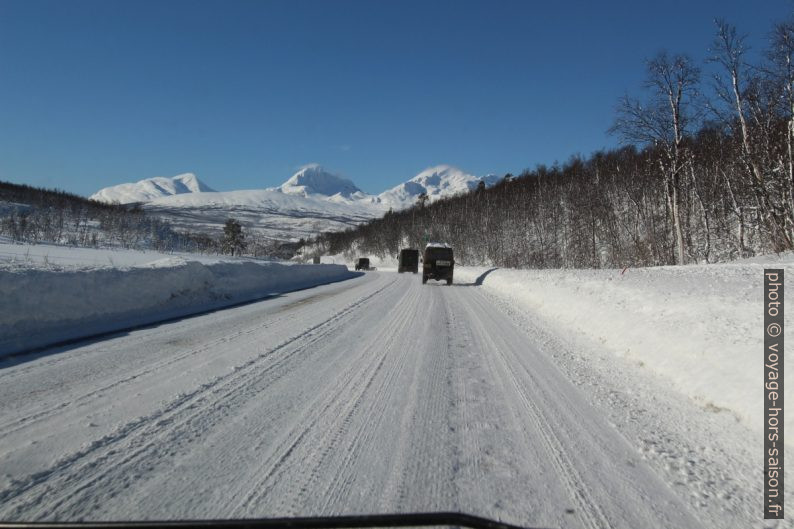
x=706 y=174
x=35 y=215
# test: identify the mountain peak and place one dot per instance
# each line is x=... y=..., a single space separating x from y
x=443 y=176
x=313 y=179
x=151 y=188
x=191 y=183
x=437 y=182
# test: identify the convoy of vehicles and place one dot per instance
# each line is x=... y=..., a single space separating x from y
x=438 y=262
x=408 y=261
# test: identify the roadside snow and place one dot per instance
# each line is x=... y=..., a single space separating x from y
x=45 y=301
x=699 y=327
x=50 y=256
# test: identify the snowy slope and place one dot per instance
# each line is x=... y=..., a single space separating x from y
x=437 y=182
x=151 y=188
x=268 y=212
x=265 y=199
x=312 y=179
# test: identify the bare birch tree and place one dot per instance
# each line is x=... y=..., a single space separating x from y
x=664 y=121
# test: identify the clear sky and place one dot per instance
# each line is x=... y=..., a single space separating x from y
x=242 y=93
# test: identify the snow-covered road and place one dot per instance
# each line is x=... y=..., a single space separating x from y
x=375 y=394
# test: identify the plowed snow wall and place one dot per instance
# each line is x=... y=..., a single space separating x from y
x=41 y=307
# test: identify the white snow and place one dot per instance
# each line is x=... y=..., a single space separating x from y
x=311 y=201
x=377 y=394
x=437 y=182
x=700 y=327
x=312 y=179
x=54 y=256
x=151 y=188
x=268 y=212
x=266 y=200
x=51 y=294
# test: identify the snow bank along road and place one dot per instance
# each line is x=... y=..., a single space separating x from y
x=42 y=306
x=376 y=394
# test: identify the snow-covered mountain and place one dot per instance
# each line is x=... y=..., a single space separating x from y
x=269 y=212
x=310 y=201
x=312 y=179
x=437 y=182
x=152 y=188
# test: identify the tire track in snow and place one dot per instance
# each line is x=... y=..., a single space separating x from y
x=129 y=452
x=425 y=454
x=417 y=398
x=605 y=474
x=364 y=446
x=376 y=463
x=283 y=315
x=314 y=442
x=589 y=513
x=22 y=422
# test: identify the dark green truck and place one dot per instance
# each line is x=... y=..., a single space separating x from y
x=408 y=261
x=438 y=263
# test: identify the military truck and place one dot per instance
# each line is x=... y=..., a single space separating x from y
x=408 y=261
x=362 y=263
x=438 y=262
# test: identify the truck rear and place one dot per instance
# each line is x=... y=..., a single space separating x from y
x=438 y=263
x=408 y=261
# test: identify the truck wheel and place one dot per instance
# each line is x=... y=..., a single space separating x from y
x=449 y=281
x=424 y=279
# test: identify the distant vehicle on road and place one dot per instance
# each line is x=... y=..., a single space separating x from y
x=409 y=261
x=438 y=262
x=362 y=263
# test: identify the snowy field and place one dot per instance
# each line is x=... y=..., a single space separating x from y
x=52 y=293
x=261 y=212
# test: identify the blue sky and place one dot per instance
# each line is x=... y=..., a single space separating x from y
x=242 y=93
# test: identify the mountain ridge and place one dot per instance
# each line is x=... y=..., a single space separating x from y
x=311 y=181
x=152 y=188
x=439 y=181
x=311 y=201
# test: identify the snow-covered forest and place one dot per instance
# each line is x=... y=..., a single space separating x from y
x=706 y=175
x=37 y=215
x=34 y=215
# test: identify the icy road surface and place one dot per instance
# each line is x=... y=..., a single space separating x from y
x=376 y=394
